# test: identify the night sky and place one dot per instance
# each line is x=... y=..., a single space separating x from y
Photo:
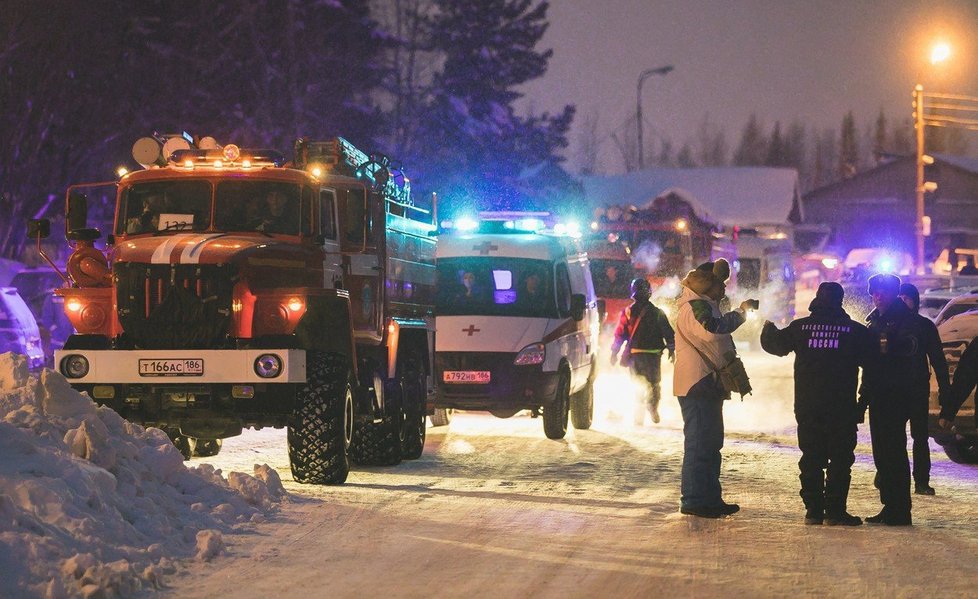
x=813 y=60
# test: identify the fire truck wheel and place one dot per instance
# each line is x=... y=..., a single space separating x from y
x=206 y=448
x=555 y=415
x=441 y=417
x=582 y=406
x=414 y=416
x=379 y=443
x=185 y=444
x=321 y=427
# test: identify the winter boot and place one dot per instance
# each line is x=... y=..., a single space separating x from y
x=924 y=489
x=654 y=403
x=842 y=519
x=814 y=517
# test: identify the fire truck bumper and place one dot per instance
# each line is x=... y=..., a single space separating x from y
x=508 y=387
x=182 y=367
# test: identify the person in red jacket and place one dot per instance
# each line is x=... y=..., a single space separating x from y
x=647 y=331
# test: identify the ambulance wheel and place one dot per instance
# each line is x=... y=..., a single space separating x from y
x=582 y=406
x=321 y=427
x=415 y=421
x=379 y=443
x=441 y=417
x=207 y=448
x=555 y=415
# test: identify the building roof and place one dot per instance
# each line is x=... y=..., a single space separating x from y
x=729 y=196
x=967 y=163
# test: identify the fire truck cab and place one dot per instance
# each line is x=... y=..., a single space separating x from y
x=517 y=324
x=240 y=291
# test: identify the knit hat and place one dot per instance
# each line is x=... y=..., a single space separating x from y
x=700 y=281
x=829 y=295
x=720 y=268
x=910 y=290
x=884 y=282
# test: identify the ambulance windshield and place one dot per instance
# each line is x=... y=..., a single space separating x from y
x=494 y=286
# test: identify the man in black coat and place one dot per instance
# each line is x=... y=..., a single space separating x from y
x=829 y=348
x=965 y=380
x=930 y=350
x=647 y=332
x=889 y=380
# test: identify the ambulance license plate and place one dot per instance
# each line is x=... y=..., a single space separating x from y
x=176 y=367
x=479 y=377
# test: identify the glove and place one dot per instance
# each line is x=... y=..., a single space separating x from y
x=672 y=355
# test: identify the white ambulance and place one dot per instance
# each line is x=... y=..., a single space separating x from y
x=516 y=324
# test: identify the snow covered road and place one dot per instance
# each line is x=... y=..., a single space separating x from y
x=493 y=507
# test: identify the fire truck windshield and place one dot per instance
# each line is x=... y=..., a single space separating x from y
x=495 y=286
x=165 y=206
x=268 y=206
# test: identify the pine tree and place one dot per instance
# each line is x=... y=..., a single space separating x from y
x=477 y=148
x=665 y=154
x=776 y=148
x=711 y=142
x=848 y=148
x=880 y=137
x=685 y=157
x=753 y=147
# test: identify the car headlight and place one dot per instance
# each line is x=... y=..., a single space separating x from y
x=268 y=366
x=534 y=353
x=74 y=366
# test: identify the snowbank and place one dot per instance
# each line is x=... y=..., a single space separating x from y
x=92 y=505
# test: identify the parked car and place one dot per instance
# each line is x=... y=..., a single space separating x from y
x=958 y=305
x=933 y=300
x=957 y=332
x=36 y=286
x=18 y=329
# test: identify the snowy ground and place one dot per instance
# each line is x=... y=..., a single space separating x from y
x=493 y=507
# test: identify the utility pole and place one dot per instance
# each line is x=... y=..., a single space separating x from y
x=918 y=123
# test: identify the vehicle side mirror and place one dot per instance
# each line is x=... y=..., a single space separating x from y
x=76 y=220
x=39 y=228
x=578 y=306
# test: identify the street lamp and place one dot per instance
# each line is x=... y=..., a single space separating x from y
x=638 y=110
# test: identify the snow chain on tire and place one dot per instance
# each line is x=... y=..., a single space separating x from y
x=319 y=433
x=379 y=443
x=555 y=415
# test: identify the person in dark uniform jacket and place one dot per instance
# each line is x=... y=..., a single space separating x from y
x=889 y=380
x=930 y=350
x=829 y=348
x=647 y=331
x=965 y=380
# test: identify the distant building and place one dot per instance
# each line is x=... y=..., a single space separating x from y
x=878 y=208
x=734 y=196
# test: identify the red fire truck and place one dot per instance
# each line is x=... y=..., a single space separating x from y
x=661 y=242
x=240 y=290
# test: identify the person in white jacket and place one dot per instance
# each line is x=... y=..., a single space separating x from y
x=702 y=335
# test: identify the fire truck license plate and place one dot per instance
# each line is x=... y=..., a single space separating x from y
x=466 y=376
x=178 y=367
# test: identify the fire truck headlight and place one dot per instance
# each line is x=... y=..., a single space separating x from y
x=534 y=353
x=73 y=305
x=295 y=304
x=74 y=366
x=268 y=366
x=93 y=316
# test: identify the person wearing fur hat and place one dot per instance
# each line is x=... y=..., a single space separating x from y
x=829 y=348
x=888 y=383
x=931 y=351
x=703 y=333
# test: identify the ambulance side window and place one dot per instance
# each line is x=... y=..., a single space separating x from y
x=563 y=290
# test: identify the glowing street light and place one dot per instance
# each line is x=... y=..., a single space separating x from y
x=940 y=52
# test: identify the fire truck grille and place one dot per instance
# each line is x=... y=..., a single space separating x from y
x=174 y=306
